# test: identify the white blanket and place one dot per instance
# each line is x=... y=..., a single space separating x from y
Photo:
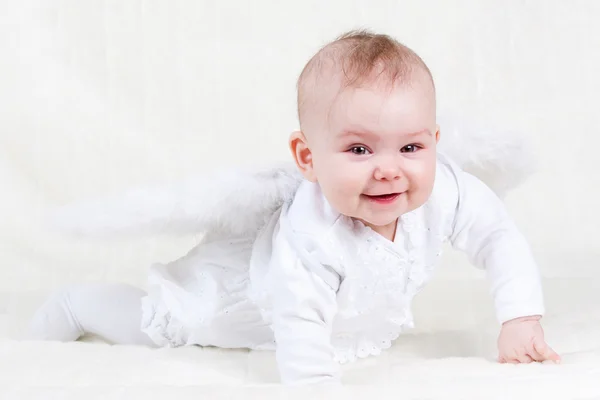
x=450 y=356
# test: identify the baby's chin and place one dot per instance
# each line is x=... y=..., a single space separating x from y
x=379 y=221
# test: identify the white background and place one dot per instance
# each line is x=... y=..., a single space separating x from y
x=98 y=96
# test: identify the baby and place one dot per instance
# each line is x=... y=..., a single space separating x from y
x=331 y=274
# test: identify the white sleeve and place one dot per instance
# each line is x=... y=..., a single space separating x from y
x=304 y=306
x=483 y=229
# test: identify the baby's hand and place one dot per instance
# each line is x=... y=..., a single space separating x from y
x=521 y=340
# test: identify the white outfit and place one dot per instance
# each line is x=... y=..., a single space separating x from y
x=326 y=288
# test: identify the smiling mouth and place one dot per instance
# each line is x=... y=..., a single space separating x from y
x=383 y=198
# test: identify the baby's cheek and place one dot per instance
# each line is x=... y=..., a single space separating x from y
x=421 y=183
x=347 y=178
x=418 y=195
x=338 y=192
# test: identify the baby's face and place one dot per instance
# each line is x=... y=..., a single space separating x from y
x=375 y=159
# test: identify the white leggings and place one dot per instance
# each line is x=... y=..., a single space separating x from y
x=110 y=311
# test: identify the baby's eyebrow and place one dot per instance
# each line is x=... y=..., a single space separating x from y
x=424 y=131
x=365 y=133
x=362 y=133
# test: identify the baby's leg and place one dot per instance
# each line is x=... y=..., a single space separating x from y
x=111 y=311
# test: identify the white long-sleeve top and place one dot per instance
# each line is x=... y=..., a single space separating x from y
x=321 y=288
x=333 y=289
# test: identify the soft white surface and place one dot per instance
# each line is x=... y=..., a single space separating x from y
x=99 y=96
x=448 y=357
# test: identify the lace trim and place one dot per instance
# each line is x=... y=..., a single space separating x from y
x=367 y=325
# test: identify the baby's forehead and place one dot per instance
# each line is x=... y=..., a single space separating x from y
x=332 y=101
x=382 y=113
x=354 y=63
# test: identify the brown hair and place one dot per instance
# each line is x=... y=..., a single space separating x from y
x=359 y=56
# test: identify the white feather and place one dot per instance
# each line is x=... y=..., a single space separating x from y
x=502 y=158
x=237 y=201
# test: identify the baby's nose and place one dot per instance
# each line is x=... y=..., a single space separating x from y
x=388 y=172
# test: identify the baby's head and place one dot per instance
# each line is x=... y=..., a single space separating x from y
x=366 y=105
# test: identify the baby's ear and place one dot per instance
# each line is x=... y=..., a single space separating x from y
x=302 y=155
x=437 y=133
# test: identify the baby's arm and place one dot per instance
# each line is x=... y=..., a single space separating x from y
x=483 y=229
x=304 y=306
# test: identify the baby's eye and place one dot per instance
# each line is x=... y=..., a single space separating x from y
x=359 y=150
x=411 y=148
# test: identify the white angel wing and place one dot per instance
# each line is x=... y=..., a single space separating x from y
x=502 y=158
x=240 y=201
x=237 y=202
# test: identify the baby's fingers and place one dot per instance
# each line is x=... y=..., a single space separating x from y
x=524 y=359
x=545 y=352
x=533 y=353
x=516 y=359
